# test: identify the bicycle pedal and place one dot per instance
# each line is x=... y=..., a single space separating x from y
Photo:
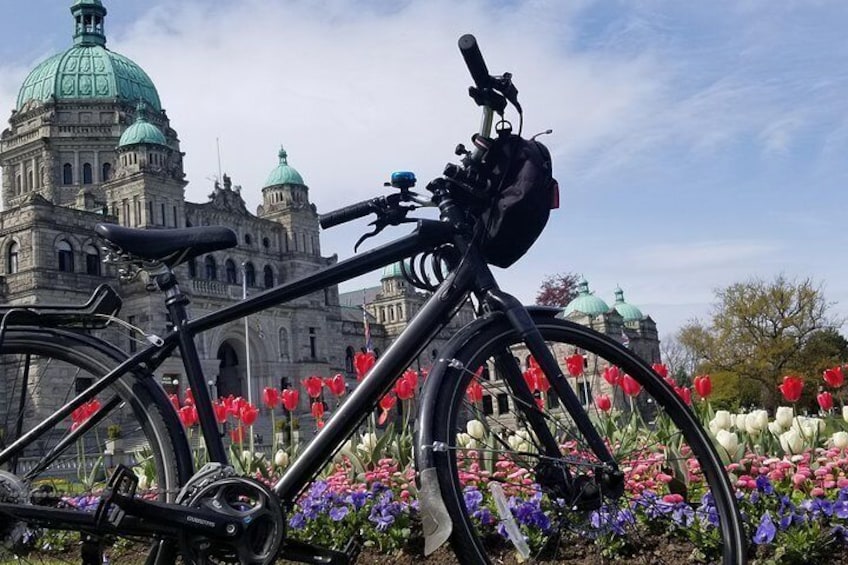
x=303 y=552
x=122 y=484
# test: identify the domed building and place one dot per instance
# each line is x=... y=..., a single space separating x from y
x=88 y=141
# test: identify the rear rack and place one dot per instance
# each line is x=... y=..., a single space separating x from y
x=94 y=314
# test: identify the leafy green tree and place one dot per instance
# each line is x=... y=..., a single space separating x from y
x=557 y=290
x=759 y=331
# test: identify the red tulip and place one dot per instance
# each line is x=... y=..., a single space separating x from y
x=318 y=410
x=290 y=398
x=834 y=377
x=234 y=405
x=630 y=386
x=474 y=391
x=313 y=386
x=825 y=400
x=237 y=434
x=411 y=377
x=189 y=397
x=542 y=382
x=404 y=389
x=175 y=401
x=531 y=377
x=363 y=362
x=612 y=375
x=660 y=369
x=791 y=388
x=603 y=402
x=685 y=393
x=703 y=385
x=336 y=384
x=574 y=364
x=188 y=415
x=220 y=410
x=248 y=414
x=271 y=397
x=386 y=404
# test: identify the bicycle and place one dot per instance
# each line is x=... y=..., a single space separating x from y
x=551 y=460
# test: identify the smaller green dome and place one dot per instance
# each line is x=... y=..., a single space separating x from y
x=586 y=302
x=627 y=311
x=142 y=132
x=392 y=271
x=283 y=173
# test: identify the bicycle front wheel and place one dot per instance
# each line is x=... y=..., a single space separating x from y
x=664 y=497
x=66 y=467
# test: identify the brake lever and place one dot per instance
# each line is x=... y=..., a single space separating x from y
x=391 y=214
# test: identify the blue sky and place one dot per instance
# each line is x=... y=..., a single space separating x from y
x=697 y=144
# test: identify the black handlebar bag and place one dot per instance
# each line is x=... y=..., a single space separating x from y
x=524 y=191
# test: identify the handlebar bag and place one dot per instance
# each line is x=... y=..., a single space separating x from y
x=523 y=191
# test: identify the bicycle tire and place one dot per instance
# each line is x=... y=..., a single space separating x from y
x=625 y=526
x=60 y=363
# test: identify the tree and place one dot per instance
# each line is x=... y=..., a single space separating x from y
x=680 y=359
x=759 y=330
x=557 y=290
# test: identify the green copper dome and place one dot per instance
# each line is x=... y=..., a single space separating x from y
x=586 y=302
x=627 y=311
x=88 y=70
x=142 y=131
x=392 y=271
x=283 y=173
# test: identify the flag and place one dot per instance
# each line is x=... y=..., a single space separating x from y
x=625 y=341
x=368 y=345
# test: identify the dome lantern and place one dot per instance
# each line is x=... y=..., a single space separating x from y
x=89 y=16
x=628 y=312
x=283 y=173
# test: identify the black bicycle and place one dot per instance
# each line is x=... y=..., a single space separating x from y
x=583 y=448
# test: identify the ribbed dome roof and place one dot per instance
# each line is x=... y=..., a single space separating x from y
x=142 y=131
x=586 y=302
x=283 y=173
x=88 y=70
x=628 y=312
x=392 y=271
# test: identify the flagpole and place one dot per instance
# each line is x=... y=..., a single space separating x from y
x=246 y=333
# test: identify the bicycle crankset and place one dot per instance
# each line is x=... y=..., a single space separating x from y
x=14 y=534
x=253 y=505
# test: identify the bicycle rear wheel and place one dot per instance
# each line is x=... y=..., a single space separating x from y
x=665 y=497
x=129 y=423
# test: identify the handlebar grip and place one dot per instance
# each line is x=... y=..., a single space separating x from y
x=474 y=60
x=348 y=213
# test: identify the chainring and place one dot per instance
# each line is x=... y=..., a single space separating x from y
x=256 y=507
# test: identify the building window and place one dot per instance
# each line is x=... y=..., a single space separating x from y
x=284 y=344
x=249 y=274
x=266 y=243
x=162 y=209
x=313 y=343
x=349 y=353
x=81 y=384
x=584 y=393
x=66 y=256
x=248 y=240
x=269 y=276
x=106 y=172
x=150 y=220
x=86 y=174
x=12 y=262
x=67 y=174
x=92 y=260
x=211 y=268
x=230 y=269
x=503 y=404
x=488 y=408
x=175 y=217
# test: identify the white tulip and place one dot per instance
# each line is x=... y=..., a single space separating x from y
x=756 y=422
x=845 y=413
x=791 y=441
x=783 y=416
x=839 y=439
x=368 y=443
x=465 y=441
x=281 y=458
x=729 y=441
x=143 y=482
x=721 y=420
x=476 y=429
x=775 y=428
x=740 y=421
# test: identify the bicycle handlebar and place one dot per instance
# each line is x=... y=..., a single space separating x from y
x=474 y=60
x=352 y=212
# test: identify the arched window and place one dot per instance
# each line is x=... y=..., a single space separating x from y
x=211 y=268
x=284 y=344
x=230 y=269
x=86 y=174
x=12 y=262
x=67 y=174
x=250 y=274
x=349 y=353
x=65 y=255
x=269 y=276
x=106 y=172
x=248 y=239
x=19 y=184
x=192 y=268
x=30 y=179
x=92 y=260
